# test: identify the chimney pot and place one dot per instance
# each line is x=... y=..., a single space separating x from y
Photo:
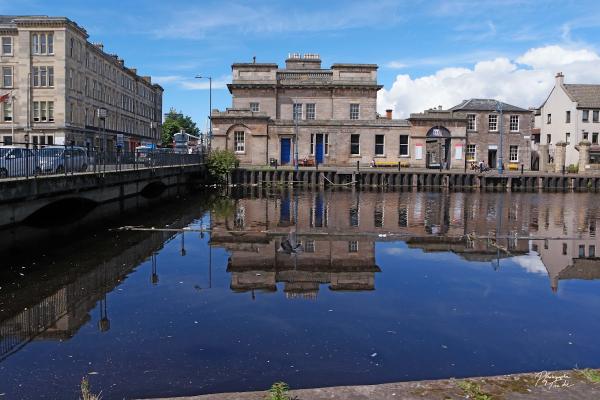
x=560 y=78
x=388 y=113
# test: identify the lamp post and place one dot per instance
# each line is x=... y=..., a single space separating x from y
x=209 y=108
x=500 y=157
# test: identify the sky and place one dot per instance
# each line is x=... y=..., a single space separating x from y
x=430 y=53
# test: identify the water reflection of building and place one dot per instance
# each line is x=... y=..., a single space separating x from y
x=477 y=226
x=53 y=303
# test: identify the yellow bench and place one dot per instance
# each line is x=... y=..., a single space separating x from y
x=393 y=164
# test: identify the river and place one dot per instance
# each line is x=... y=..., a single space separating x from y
x=341 y=287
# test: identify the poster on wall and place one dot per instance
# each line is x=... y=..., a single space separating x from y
x=458 y=150
x=419 y=152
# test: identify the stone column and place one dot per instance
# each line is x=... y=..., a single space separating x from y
x=544 y=157
x=584 y=155
x=560 y=149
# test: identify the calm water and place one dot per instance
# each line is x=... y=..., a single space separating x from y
x=381 y=287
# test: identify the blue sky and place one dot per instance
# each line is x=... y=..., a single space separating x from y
x=429 y=52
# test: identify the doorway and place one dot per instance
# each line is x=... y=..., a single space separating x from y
x=492 y=156
x=319 y=148
x=286 y=149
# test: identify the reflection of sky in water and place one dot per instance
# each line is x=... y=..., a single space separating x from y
x=432 y=314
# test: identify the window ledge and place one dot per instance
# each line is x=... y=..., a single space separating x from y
x=355 y=156
x=404 y=156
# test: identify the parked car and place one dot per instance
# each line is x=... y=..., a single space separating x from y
x=58 y=159
x=16 y=161
x=142 y=154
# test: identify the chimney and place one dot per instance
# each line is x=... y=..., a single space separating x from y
x=388 y=113
x=560 y=79
x=440 y=107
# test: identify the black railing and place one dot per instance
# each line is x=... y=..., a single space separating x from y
x=26 y=160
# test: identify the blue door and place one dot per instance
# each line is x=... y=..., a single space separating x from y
x=319 y=149
x=286 y=147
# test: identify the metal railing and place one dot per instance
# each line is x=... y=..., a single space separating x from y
x=24 y=160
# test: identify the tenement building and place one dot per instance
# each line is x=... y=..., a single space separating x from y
x=569 y=116
x=332 y=112
x=62 y=89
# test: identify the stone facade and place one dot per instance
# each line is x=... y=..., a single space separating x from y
x=59 y=81
x=337 y=122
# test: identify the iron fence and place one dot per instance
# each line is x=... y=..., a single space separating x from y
x=25 y=160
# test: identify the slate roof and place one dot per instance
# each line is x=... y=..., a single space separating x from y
x=586 y=96
x=485 y=105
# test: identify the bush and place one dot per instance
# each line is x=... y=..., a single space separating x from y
x=220 y=163
x=573 y=169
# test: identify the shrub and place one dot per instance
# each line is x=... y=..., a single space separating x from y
x=279 y=391
x=220 y=163
x=573 y=169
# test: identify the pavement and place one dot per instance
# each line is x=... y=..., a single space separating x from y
x=555 y=385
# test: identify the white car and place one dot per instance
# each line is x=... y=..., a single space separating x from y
x=60 y=159
x=17 y=161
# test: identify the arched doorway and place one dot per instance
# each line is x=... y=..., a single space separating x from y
x=437 y=148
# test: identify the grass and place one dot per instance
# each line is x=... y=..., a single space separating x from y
x=279 y=391
x=473 y=391
x=592 y=375
x=86 y=393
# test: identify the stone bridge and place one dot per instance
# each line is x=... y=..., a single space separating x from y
x=21 y=198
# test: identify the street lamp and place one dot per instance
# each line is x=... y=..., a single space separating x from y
x=500 y=157
x=209 y=108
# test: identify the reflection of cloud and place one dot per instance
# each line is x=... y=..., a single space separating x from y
x=531 y=263
x=394 y=251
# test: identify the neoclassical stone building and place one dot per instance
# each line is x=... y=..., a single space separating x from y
x=332 y=111
x=68 y=90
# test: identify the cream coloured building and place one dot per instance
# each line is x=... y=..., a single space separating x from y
x=67 y=90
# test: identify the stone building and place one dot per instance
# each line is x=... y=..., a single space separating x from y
x=332 y=111
x=569 y=116
x=68 y=90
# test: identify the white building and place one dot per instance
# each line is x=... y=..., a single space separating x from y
x=570 y=114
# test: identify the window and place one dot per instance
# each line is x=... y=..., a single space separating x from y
x=354 y=216
x=549 y=119
x=43 y=111
x=568 y=138
x=326 y=143
x=592 y=251
x=471 y=122
x=42 y=43
x=548 y=138
x=312 y=144
x=379 y=145
x=354 y=111
x=581 y=250
x=309 y=246
x=7 y=140
x=254 y=107
x=564 y=249
x=471 y=148
x=7 y=108
x=585 y=115
x=71 y=84
x=43 y=76
x=493 y=122
x=354 y=145
x=239 y=141
x=310 y=111
x=514 y=123
x=353 y=246
x=378 y=215
x=403 y=217
x=404 y=146
x=595 y=138
x=7 y=45
x=585 y=136
x=7 y=77
x=595 y=115
x=568 y=117
x=297 y=111
x=514 y=154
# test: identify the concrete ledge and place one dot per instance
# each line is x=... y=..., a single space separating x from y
x=556 y=385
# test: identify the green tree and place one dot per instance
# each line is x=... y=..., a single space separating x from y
x=176 y=122
x=220 y=163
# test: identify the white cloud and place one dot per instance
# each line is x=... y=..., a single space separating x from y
x=525 y=81
x=190 y=83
